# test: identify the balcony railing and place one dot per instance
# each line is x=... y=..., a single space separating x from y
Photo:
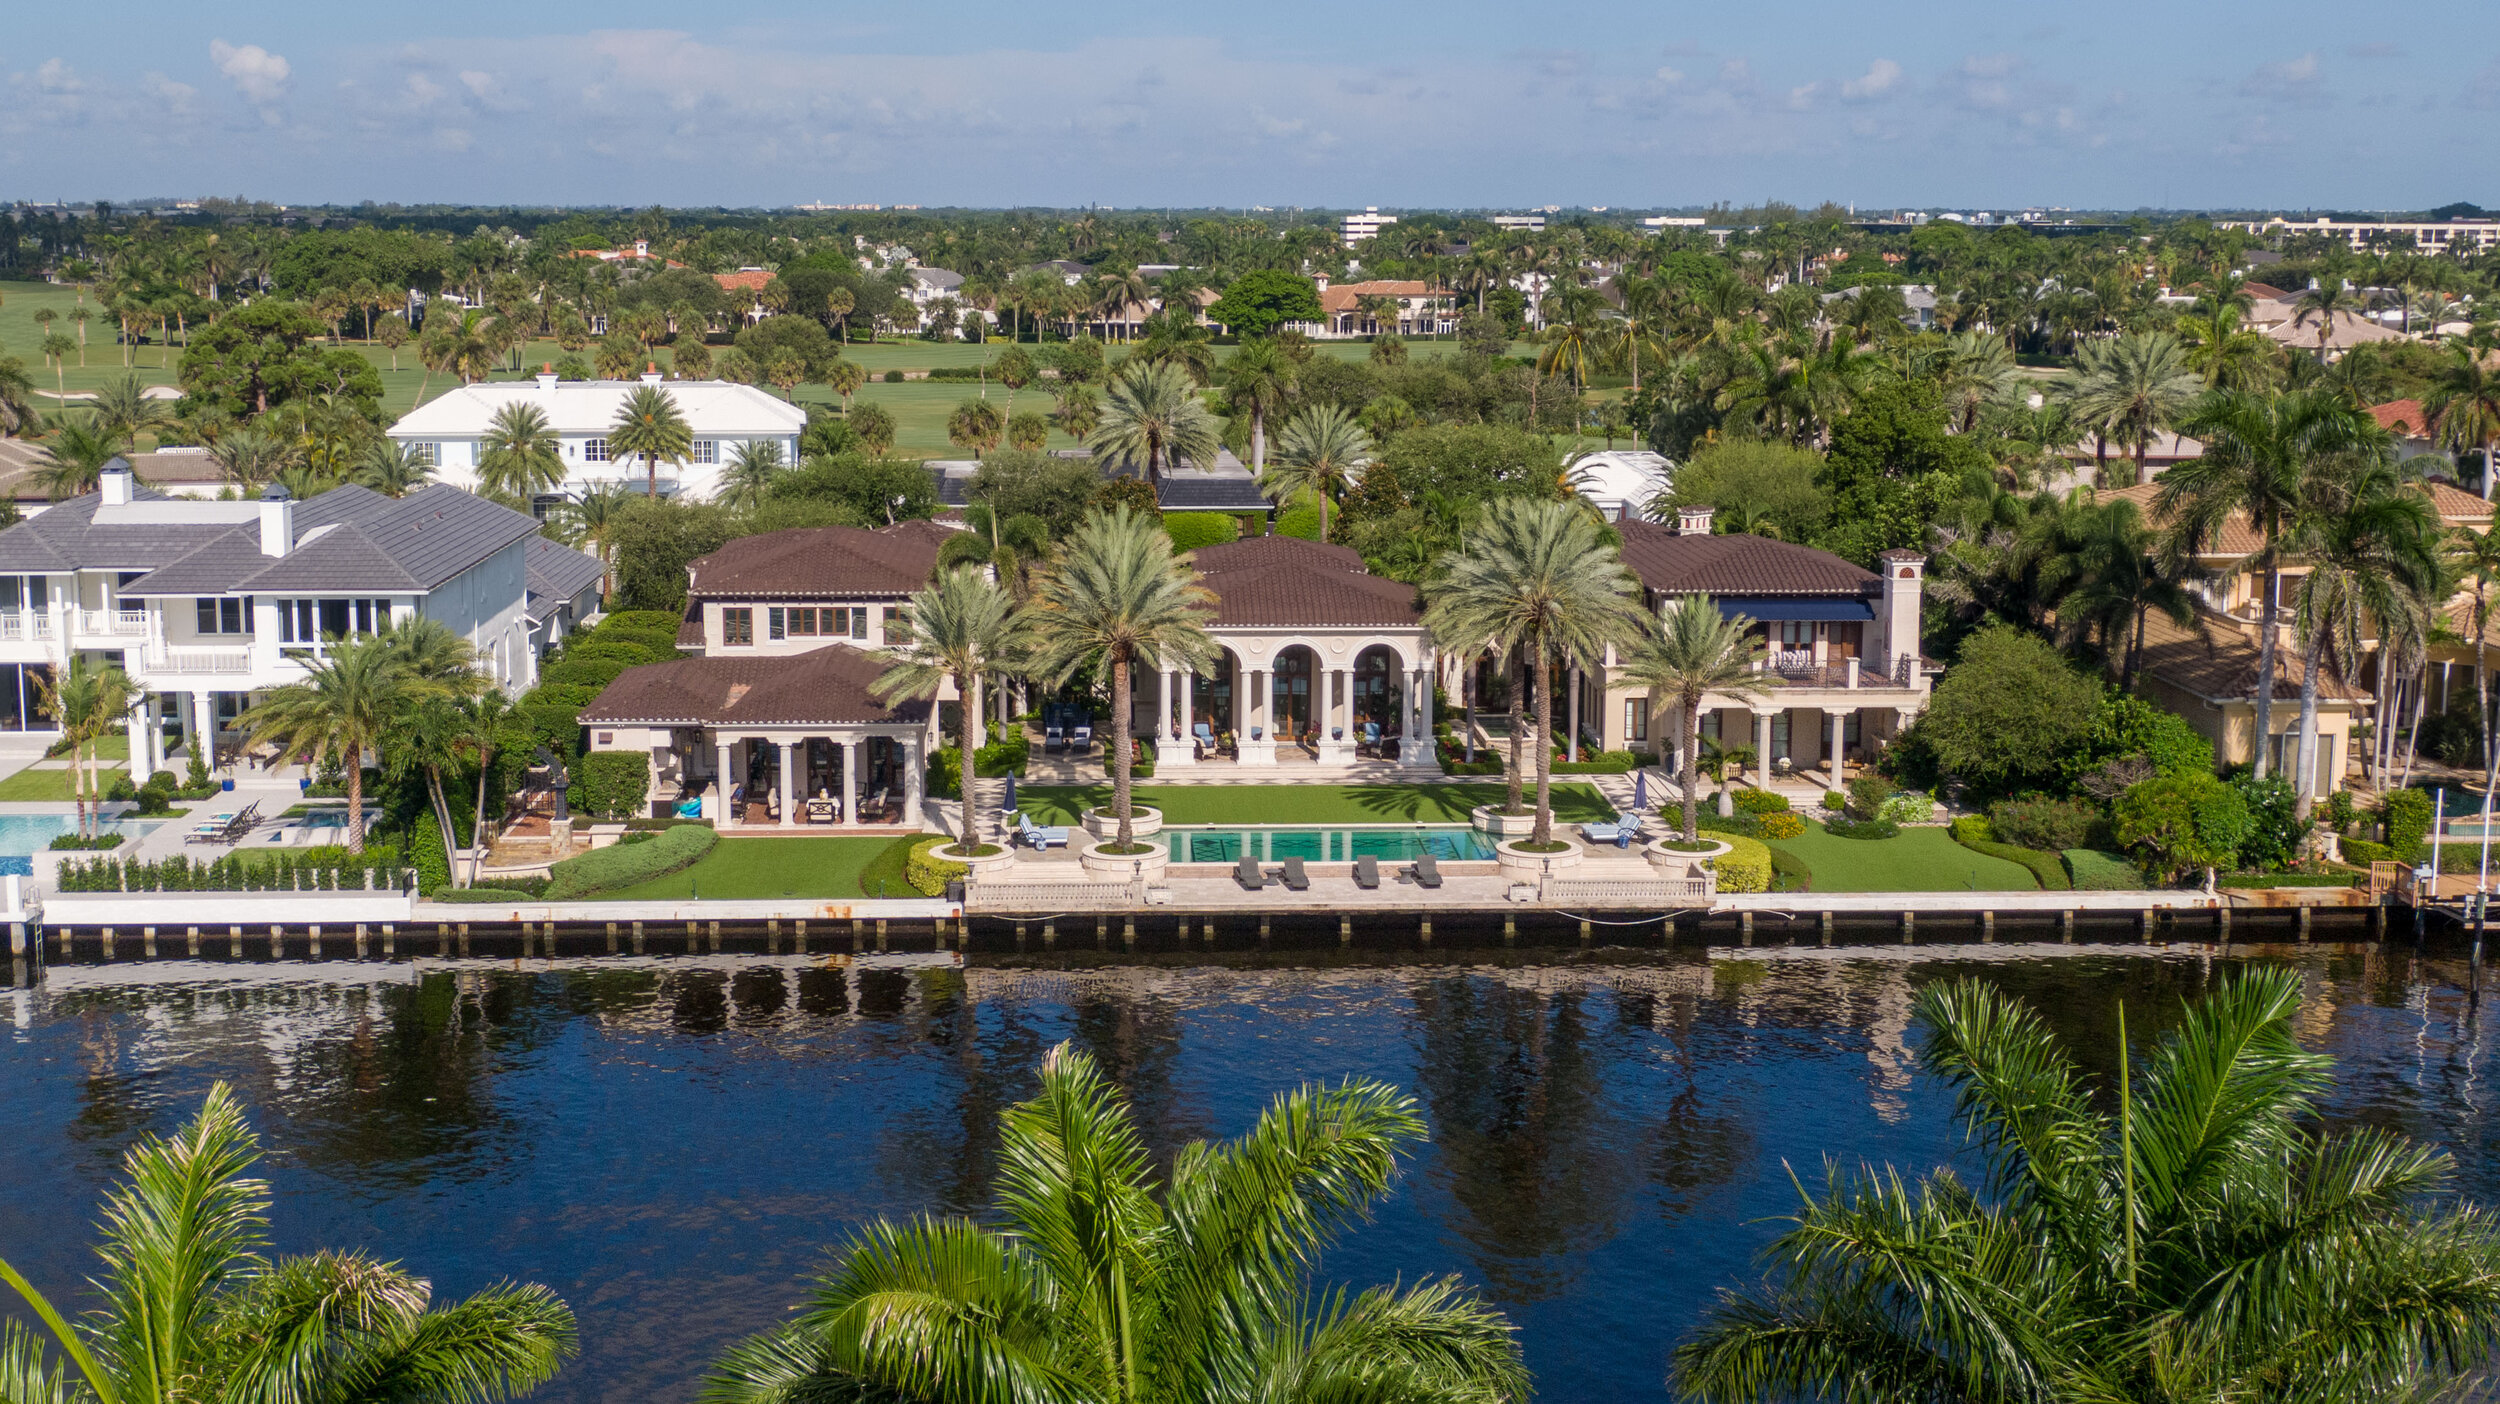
x=1800 y=670
x=216 y=658
x=25 y=626
x=113 y=622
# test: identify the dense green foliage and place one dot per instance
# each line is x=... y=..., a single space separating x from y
x=927 y=873
x=2175 y=823
x=611 y=784
x=624 y=864
x=1746 y=867
x=2007 y=710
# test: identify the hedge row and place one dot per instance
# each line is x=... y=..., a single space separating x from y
x=1746 y=868
x=2047 y=869
x=611 y=784
x=328 y=868
x=927 y=873
x=1007 y=750
x=624 y=864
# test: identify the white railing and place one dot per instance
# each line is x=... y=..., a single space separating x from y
x=224 y=658
x=113 y=621
x=25 y=626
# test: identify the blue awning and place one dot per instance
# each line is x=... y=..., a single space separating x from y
x=1834 y=608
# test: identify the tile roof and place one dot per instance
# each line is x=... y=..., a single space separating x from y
x=1341 y=297
x=821 y=562
x=1287 y=582
x=557 y=573
x=2401 y=417
x=347 y=539
x=744 y=280
x=2224 y=667
x=1672 y=564
x=2455 y=504
x=824 y=687
x=1182 y=492
x=2236 y=539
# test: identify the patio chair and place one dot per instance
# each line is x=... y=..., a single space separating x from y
x=1081 y=740
x=1040 y=836
x=820 y=810
x=1053 y=739
x=1427 y=873
x=1296 y=880
x=1247 y=873
x=1367 y=873
x=1602 y=833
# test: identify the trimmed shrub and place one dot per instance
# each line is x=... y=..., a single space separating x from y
x=2275 y=833
x=2049 y=824
x=2046 y=868
x=927 y=873
x=2096 y=870
x=2407 y=815
x=1191 y=530
x=1600 y=763
x=611 y=784
x=1747 y=868
x=623 y=865
x=1862 y=828
x=1835 y=801
x=1006 y=751
x=1790 y=873
x=1782 y=825
x=1761 y=802
x=1711 y=821
x=601 y=647
x=425 y=854
x=1300 y=520
x=593 y=673
x=2365 y=851
x=2178 y=822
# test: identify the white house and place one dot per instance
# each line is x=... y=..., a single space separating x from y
x=1621 y=483
x=208 y=605
x=450 y=431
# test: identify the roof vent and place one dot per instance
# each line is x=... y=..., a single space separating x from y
x=546 y=376
x=114 y=483
x=277 y=520
x=650 y=373
x=1693 y=521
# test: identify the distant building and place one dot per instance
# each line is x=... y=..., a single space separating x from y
x=1358 y=227
x=1621 y=483
x=2430 y=236
x=450 y=431
x=1420 y=309
x=1527 y=223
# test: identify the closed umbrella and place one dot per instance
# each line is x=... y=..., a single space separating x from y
x=1640 y=790
x=1011 y=792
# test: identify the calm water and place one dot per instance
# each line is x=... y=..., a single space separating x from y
x=1450 y=843
x=670 y=1144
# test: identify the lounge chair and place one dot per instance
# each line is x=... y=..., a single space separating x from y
x=1602 y=833
x=210 y=829
x=1053 y=739
x=1247 y=873
x=1427 y=872
x=1039 y=836
x=1296 y=880
x=1205 y=736
x=240 y=825
x=1370 y=744
x=1081 y=739
x=1367 y=873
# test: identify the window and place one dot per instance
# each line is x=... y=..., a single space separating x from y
x=1635 y=719
x=706 y=451
x=1795 y=635
x=228 y=616
x=427 y=453
x=777 y=622
x=897 y=624
x=737 y=628
x=594 y=450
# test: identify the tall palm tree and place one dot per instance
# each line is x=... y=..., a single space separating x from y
x=2105 y=573
x=2202 y=1239
x=2259 y=453
x=125 y=410
x=2321 y=302
x=521 y=455
x=79 y=449
x=90 y=701
x=1115 y=596
x=844 y=378
x=2225 y=354
x=752 y=468
x=964 y=627
x=1258 y=378
x=351 y=696
x=976 y=425
x=2463 y=406
x=649 y=426
x=1319 y=453
x=1696 y=651
x=17 y=396
x=2373 y=549
x=590 y=519
x=2474 y=556
x=251 y=455
x=1544 y=578
x=1094 y=1286
x=2132 y=389
x=1151 y=416
x=389 y=468
x=193 y=1308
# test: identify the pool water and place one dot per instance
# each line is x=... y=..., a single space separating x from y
x=24 y=835
x=1270 y=843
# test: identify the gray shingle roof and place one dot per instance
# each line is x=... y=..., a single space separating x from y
x=1192 y=493
x=557 y=573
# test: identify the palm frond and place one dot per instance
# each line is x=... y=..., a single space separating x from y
x=2020 y=1098
x=497 y=1344
x=186 y=1222
x=28 y=1374
x=1433 y=1341
x=2221 y=1095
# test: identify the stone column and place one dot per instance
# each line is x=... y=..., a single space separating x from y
x=1833 y=755
x=1762 y=749
x=145 y=741
x=852 y=791
x=204 y=728
x=721 y=783
x=912 y=817
x=1572 y=751
x=790 y=800
x=1167 y=706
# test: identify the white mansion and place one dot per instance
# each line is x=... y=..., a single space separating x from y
x=450 y=431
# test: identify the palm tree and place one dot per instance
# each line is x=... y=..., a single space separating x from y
x=1258 y=378
x=17 y=396
x=56 y=349
x=194 y=1310
x=2132 y=389
x=589 y=519
x=976 y=425
x=79 y=449
x=844 y=378
x=124 y=409
x=251 y=455
x=1152 y=416
x=1697 y=651
x=649 y=425
x=88 y=702
x=2475 y=556
x=2105 y=573
x=1115 y=596
x=2214 y=1243
x=2373 y=548
x=749 y=475
x=2463 y=406
x=2320 y=303
x=353 y=693
x=521 y=455
x=1319 y=453
x=963 y=628
x=2226 y=355
x=1541 y=577
x=1096 y=1287
x=874 y=424
x=389 y=468
x=2259 y=452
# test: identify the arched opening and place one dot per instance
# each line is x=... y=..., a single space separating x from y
x=1213 y=705
x=1379 y=695
x=1296 y=712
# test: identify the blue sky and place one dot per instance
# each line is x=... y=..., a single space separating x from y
x=1472 y=103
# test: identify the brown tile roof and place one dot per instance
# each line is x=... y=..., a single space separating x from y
x=2224 y=668
x=1341 y=297
x=2400 y=417
x=744 y=280
x=825 y=687
x=2237 y=538
x=821 y=563
x=1736 y=565
x=2455 y=504
x=2264 y=292
x=1285 y=581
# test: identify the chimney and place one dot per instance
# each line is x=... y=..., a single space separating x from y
x=546 y=375
x=277 y=521
x=1897 y=612
x=1694 y=521
x=114 y=482
x=642 y=248
x=650 y=373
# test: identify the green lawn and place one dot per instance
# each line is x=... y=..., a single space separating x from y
x=1306 y=804
x=50 y=786
x=1918 y=860
x=780 y=867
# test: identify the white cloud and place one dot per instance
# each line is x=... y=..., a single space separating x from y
x=167 y=91
x=255 y=72
x=1670 y=75
x=2298 y=82
x=55 y=76
x=1881 y=77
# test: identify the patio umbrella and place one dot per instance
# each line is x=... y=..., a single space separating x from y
x=1010 y=806
x=1640 y=790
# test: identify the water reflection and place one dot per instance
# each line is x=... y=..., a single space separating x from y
x=672 y=1143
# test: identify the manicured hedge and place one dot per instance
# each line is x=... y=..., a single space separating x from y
x=2096 y=871
x=1006 y=751
x=1790 y=873
x=594 y=673
x=1599 y=763
x=1747 y=868
x=2047 y=869
x=1782 y=825
x=599 y=647
x=1191 y=530
x=624 y=864
x=611 y=784
x=1761 y=802
x=2365 y=852
x=659 y=619
x=927 y=873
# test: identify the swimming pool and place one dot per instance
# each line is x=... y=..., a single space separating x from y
x=1317 y=844
x=24 y=835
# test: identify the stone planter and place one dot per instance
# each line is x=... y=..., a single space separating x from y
x=1517 y=865
x=1673 y=863
x=1143 y=819
x=982 y=867
x=1120 y=867
x=1491 y=820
